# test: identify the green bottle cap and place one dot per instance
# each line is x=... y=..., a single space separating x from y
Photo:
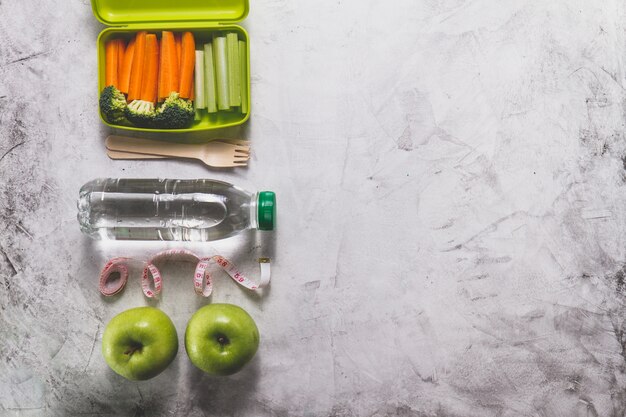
x=266 y=210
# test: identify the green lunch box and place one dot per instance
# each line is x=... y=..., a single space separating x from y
x=202 y=18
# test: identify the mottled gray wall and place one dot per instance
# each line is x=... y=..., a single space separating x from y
x=451 y=186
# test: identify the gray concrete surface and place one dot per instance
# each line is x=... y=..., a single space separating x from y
x=451 y=186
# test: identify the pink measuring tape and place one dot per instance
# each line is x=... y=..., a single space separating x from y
x=201 y=278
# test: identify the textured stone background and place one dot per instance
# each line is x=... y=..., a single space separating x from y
x=451 y=182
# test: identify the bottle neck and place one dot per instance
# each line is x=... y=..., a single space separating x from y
x=254 y=211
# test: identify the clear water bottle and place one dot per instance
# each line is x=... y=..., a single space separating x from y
x=165 y=209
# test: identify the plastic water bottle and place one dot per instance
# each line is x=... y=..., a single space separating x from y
x=166 y=209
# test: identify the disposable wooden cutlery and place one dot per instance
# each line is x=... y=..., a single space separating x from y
x=216 y=153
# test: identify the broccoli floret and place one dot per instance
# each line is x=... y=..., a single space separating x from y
x=175 y=113
x=112 y=105
x=141 y=113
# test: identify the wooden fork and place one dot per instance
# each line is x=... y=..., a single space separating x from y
x=216 y=154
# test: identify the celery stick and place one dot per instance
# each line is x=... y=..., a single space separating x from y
x=232 y=42
x=197 y=116
x=209 y=79
x=220 y=56
x=243 y=76
x=199 y=100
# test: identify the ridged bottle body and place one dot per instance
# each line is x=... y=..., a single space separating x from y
x=161 y=209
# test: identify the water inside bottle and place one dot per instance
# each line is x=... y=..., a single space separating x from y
x=150 y=209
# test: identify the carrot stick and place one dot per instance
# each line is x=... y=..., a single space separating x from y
x=188 y=64
x=137 y=69
x=124 y=75
x=174 y=84
x=168 y=68
x=120 y=58
x=151 y=70
x=111 y=52
x=164 y=69
x=178 y=40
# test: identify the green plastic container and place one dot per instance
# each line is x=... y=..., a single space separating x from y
x=202 y=17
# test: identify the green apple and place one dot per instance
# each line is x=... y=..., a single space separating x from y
x=140 y=343
x=221 y=338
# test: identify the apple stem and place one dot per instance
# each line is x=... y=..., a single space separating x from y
x=222 y=340
x=132 y=350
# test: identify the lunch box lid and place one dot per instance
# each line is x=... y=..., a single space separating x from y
x=128 y=12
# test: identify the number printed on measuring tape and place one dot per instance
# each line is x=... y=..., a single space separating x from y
x=107 y=285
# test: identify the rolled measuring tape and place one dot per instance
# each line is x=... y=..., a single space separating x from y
x=152 y=281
